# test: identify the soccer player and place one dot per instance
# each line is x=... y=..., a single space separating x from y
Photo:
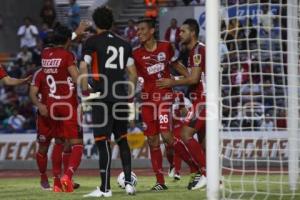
x=152 y=60
x=38 y=94
x=7 y=80
x=44 y=136
x=189 y=32
x=110 y=57
x=45 y=132
x=61 y=73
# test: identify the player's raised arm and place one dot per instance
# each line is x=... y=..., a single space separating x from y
x=83 y=69
x=86 y=60
x=81 y=29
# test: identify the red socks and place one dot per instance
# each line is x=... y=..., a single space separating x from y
x=41 y=160
x=170 y=154
x=182 y=151
x=66 y=158
x=156 y=160
x=177 y=163
x=57 y=160
x=197 y=153
x=75 y=159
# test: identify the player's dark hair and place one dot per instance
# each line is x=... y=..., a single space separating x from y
x=61 y=34
x=193 y=25
x=48 y=41
x=103 y=17
x=150 y=21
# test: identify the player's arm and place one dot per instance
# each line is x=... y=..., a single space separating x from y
x=132 y=78
x=192 y=79
x=7 y=80
x=86 y=60
x=132 y=73
x=80 y=30
x=83 y=70
x=33 y=95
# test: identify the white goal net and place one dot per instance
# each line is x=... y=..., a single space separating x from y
x=259 y=98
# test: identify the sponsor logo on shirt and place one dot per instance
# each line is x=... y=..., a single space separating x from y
x=49 y=63
x=155 y=68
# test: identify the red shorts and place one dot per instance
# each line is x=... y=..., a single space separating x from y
x=44 y=132
x=156 y=117
x=65 y=120
x=196 y=116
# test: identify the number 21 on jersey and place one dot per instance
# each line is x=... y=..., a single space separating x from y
x=115 y=54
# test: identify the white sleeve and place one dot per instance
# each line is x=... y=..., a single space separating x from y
x=87 y=59
x=34 y=30
x=21 y=30
x=130 y=62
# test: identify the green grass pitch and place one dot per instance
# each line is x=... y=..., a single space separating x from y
x=28 y=188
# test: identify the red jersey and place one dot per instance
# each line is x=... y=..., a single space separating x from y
x=197 y=59
x=55 y=63
x=2 y=72
x=39 y=80
x=152 y=66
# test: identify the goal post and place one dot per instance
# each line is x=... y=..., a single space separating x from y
x=212 y=84
x=293 y=108
x=253 y=88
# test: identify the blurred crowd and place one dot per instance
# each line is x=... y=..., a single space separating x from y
x=254 y=71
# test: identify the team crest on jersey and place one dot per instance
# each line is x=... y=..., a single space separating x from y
x=161 y=56
x=197 y=59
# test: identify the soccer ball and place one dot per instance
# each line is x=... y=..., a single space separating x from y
x=121 y=179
